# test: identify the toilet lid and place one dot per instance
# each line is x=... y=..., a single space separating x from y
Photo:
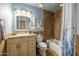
x=42 y=44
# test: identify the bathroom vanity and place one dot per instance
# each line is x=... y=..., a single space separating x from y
x=21 y=45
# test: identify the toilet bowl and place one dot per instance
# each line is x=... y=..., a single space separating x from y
x=41 y=45
x=42 y=48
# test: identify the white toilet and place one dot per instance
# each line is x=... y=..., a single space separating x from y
x=41 y=45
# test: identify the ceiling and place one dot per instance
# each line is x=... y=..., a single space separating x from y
x=47 y=6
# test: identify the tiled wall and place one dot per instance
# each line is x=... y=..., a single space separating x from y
x=48 y=25
x=52 y=25
x=57 y=24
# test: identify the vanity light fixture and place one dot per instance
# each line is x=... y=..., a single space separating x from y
x=23 y=12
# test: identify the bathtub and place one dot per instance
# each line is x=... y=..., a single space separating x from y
x=55 y=45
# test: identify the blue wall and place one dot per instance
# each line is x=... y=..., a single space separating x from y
x=6 y=14
x=78 y=18
x=37 y=12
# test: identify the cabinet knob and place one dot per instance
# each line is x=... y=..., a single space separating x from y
x=17 y=46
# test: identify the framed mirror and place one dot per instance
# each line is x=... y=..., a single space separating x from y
x=22 y=23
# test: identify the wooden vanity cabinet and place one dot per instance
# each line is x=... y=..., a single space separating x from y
x=23 y=46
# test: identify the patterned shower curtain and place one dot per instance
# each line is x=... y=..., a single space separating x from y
x=69 y=29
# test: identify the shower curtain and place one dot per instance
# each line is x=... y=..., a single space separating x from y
x=69 y=25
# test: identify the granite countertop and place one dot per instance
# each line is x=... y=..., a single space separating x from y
x=20 y=35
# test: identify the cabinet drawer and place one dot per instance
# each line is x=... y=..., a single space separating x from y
x=16 y=40
x=21 y=39
x=32 y=39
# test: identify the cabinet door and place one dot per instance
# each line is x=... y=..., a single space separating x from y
x=12 y=49
x=23 y=49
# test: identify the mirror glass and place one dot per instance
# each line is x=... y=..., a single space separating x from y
x=22 y=23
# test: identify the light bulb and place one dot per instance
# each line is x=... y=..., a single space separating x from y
x=23 y=12
x=61 y=5
x=18 y=11
x=28 y=13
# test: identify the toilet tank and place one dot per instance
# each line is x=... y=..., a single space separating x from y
x=39 y=38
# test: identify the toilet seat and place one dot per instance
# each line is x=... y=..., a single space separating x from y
x=42 y=45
